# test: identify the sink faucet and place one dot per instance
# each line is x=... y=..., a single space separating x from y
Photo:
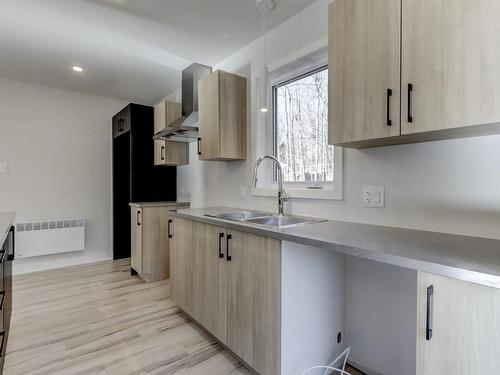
x=282 y=196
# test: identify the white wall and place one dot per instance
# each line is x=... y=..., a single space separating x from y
x=381 y=316
x=58 y=147
x=451 y=186
x=312 y=306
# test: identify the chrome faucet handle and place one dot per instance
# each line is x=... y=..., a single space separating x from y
x=284 y=195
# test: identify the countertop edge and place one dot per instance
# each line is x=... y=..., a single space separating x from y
x=159 y=204
x=463 y=274
x=6 y=221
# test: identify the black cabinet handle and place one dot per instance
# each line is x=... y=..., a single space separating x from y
x=428 y=321
x=221 y=236
x=389 y=94
x=120 y=125
x=3 y=341
x=3 y=299
x=162 y=153
x=138 y=219
x=169 y=228
x=11 y=252
x=199 y=142
x=2 y=257
x=410 y=89
x=228 y=257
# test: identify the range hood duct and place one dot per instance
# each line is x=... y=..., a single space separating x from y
x=185 y=128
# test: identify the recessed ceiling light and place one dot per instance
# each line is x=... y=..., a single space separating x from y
x=77 y=68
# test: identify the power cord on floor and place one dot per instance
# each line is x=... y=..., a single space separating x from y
x=329 y=368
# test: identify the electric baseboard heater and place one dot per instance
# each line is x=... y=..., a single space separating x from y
x=49 y=237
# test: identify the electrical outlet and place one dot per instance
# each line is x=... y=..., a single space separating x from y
x=373 y=196
x=4 y=167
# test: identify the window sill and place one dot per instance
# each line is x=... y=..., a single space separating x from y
x=300 y=193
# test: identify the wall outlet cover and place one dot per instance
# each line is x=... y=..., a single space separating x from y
x=373 y=196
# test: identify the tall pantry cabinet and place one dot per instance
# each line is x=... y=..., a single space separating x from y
x=135 y=177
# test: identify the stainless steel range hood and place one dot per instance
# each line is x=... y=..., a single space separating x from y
x=185 y=129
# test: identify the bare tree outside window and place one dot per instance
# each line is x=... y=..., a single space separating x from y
x=301 y=128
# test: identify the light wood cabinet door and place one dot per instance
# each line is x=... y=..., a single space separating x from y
x=232 y=116
x=159 y=152
x=254 y=300
x=465 y=327
x=155 y=244
x=170 y=153
x=209 y=278
x=451 y=57
x=222 y=116
x=136 y=239
x=166 y=112
x=364 y=63
x=181 y=265
x=208 y=117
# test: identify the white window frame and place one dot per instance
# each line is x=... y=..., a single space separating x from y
x=284 y=71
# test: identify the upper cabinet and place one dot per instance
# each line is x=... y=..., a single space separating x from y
x=222 y=117
x=364 y=59
x=171 y=153
x=165 y=113
x=451 y=57
x=168 y=152
x=406 y=71
x=122 y=122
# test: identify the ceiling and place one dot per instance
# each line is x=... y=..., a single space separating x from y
x=129 y=49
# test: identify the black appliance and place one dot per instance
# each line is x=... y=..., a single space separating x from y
x=135 y=177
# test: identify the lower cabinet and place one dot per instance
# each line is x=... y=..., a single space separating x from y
x=458 y=327
x=234 y=283
x=254 y=300
x=181 y=267
x=230 y=282
x=6 y=258
x=210 y=278
x=136 y=239
x=407 y=322
x=150 y=247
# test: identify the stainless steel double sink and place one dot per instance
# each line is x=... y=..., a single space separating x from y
x=266 y=218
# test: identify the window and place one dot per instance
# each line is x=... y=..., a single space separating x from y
x=300 y=129
x=296 y=129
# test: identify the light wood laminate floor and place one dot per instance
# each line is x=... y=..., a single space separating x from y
x=97 y=319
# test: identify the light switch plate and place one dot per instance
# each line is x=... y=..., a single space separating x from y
x=4 y=167
x=373 y=196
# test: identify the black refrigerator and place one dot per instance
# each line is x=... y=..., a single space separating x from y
x=135 y=177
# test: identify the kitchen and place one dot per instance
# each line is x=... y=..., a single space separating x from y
x=405 y=208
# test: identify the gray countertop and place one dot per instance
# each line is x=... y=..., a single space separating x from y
x=6 y=220
x=159 y=204
x=467 y=258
